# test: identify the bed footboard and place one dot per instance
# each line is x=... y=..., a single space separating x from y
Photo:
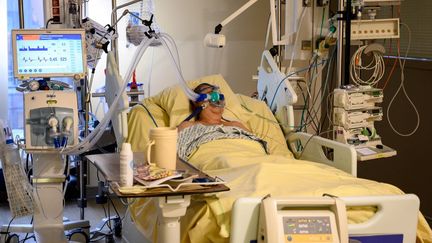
x=396 y=214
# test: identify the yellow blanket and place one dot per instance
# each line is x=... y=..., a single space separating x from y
x=250 y=172
x=243 y=164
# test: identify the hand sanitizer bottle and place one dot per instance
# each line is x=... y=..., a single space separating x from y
x=126 y=165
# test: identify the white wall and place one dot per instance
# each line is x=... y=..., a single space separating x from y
x=188 y=21
x=3 y=62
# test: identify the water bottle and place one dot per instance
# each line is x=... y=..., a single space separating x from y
x=126 y=165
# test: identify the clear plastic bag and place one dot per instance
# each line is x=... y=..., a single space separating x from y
x=135 y=30
x=19 y=190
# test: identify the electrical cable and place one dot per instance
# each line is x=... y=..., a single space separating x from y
x=329 y=108
x=309 y=139
x=115 y=209
x=26 y=235
x=307 y=110
x=89 y=87
x=305 y=100
x=48 y=21
x=392 y=70
x=150 y=114
x=323 y=87
x=314 y=64
x=303 y=14
x=377 y=65
x=244 y=106
x=10 y=222
x=106 y=216
x=322 y=21
x=402 y=87
x=287 y=76
x=311 y=112
x=327 y=87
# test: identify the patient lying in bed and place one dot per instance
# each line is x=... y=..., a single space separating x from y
x=209 y=125
x=249 y=169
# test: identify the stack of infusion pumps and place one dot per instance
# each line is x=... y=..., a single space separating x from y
x=354 y=116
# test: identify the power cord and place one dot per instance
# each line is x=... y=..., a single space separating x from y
x=48 y=22
x=150 y=114
x=289 y=75
x=307 y=142
x=402 y=87
x=377 y=65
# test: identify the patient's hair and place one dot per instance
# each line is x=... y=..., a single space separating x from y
x=202 y=86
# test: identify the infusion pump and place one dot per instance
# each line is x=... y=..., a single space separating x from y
x=305 y=220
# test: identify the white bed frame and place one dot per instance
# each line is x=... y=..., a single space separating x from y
x=396 y=214
x=316 y=148
x=113 y=84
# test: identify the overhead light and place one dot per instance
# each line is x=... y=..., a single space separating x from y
x=217 y=40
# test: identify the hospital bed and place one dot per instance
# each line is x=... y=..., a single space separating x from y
x=251 y=174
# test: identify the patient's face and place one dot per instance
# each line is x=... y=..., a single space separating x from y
x=209 y=109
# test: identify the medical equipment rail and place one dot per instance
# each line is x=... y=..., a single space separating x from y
x=172 y=204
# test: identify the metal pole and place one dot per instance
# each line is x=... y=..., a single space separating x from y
x=83 y=161
x=84 y=12
x=113 y=20
x=21 y=13
x=347 y=42
x=279 y=20
x=340 y=45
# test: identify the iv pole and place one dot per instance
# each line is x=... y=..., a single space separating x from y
x=343 y=56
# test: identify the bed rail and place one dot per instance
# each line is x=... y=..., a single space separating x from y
x=318 y=149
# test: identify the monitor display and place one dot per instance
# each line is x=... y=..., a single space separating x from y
x=49 y=53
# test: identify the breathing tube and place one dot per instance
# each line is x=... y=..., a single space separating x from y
x=194 y=113
x=88 y=142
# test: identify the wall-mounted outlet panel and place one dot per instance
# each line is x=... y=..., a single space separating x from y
x=375 y=29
